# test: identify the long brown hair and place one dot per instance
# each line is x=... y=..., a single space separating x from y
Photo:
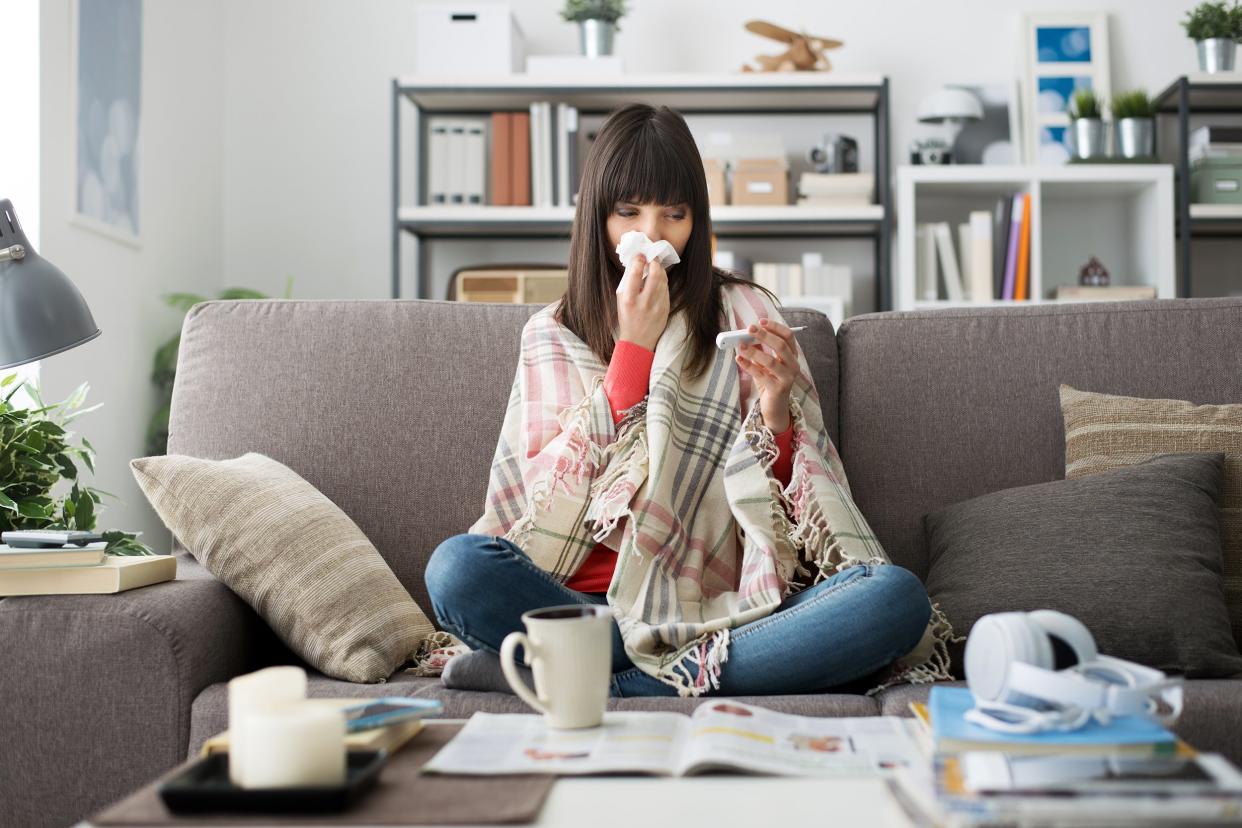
x=642 y=155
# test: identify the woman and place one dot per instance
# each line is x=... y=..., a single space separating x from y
x=638 y=468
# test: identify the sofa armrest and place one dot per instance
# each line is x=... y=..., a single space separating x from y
x=97 y=689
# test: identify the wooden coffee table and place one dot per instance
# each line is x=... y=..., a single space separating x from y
x=724 y=800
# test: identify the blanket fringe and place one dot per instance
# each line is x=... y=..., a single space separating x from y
x=706 y=657
x=434 y=652
x=612 y=492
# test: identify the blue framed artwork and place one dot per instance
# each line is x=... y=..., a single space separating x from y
x=1063 y=53
x=1063 y=44
x=107 y=100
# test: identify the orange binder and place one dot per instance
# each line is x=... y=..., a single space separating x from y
x=502 y=177
x=1021 y=288
x=519 y=158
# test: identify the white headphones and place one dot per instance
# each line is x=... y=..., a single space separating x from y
x=1033 y=671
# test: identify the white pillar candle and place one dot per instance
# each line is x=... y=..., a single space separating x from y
x=294 y=745
x=271 y=686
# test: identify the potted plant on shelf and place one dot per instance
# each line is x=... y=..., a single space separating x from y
x=1215 y=28
x=1134 y=117
x=1084 y=111
x=597 y=22
x=38 y=454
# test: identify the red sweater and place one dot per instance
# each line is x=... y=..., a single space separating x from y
x=626 y=382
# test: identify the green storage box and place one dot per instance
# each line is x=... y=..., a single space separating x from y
x=1217 y=181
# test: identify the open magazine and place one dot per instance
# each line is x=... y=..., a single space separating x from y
x=723 y=735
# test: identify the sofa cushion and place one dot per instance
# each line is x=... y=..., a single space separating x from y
x=406 y=456
x=1107 y=431
x=462 y=703
x=939 y=406
x=1133 y=553
x=211 y=707
x=294 y=556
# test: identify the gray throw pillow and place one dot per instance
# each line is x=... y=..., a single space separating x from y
x=1134 y=553
x=294 y=556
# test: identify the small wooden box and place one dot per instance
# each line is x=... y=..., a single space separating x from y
x=761 y=181
x=517 y=286
x=714 y=168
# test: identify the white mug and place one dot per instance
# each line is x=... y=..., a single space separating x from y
x=569 y=650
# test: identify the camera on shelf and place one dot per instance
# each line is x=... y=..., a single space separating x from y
x=930 y=151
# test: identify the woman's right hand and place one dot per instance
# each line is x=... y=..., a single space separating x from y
x=642 y=304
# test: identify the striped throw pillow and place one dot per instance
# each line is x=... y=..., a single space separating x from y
x=1104 y=431
x=294 y=556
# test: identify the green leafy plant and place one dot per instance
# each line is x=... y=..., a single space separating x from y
x=1133 y=104
x=1084 y=104
x=37 y=452
x=575 y=11
x=164 y=366
x=1207 y=21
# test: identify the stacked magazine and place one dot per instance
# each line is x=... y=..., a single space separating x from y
x=1130 y=772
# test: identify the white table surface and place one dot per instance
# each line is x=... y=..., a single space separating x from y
x=718 y=801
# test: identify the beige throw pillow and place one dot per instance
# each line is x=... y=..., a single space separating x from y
x=1103 y=431
x=294 y=556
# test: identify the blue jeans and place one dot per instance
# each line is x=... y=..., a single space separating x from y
x=844 y=628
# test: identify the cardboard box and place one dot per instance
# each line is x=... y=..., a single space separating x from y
x=714 y=168
x=517 y=286
x=760 y=181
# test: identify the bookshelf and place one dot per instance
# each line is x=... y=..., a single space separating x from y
x=416 y=225
x=1121 y=213
x=1190 y=96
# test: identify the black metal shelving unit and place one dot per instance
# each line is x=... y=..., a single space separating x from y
x=1183 y=98
x=689 y=94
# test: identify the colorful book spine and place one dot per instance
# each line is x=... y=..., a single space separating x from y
x=1021 y=290
x=519 y=158
x=502 y=170
x=1011 y=256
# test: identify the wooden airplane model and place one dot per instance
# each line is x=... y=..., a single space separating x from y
x=805 y=53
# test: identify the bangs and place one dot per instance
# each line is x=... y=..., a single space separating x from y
x=649 y=170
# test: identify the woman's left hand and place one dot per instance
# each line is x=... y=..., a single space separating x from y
x=772 y=361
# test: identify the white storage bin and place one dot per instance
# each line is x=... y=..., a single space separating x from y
x=467 y=39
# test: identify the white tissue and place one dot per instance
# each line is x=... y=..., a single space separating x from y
x=636 y=241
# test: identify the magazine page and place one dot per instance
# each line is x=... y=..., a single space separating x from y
x=730 y=735
x=629 y=742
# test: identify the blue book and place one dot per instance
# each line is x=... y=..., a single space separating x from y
x=1129 y=735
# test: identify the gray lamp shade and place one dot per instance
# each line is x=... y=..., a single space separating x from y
x=41 y=312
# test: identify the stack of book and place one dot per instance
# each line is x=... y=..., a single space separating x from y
x=505 y=158
x=992 y=261
x=835 y=189
x=77 y=570
x=1131 y=771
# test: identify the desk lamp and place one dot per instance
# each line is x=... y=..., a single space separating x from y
x=952 y=107
x=41 y=312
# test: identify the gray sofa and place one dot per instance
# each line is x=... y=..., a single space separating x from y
x=392 y=409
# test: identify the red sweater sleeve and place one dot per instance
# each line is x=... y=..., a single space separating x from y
x=782 y=469
x=629 y=373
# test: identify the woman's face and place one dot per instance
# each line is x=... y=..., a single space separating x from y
x=660 y=222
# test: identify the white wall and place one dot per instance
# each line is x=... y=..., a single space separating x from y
x=181 y=181
x=307 y=104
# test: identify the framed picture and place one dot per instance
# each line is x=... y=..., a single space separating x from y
x=997 y=138
x=106 y=82
x=1063 y=53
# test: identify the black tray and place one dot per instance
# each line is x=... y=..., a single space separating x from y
x=204 y=787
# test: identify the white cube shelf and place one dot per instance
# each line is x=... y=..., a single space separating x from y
x=1120 y=213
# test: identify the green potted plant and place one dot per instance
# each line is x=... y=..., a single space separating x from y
x=1135 y=119
x=597 y=22
x=1215 y=27
x=1084 y=111
x=38 y=456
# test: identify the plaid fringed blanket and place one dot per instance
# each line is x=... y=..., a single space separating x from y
x=711 y=540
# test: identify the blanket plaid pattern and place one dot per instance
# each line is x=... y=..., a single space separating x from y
x=711 y=540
